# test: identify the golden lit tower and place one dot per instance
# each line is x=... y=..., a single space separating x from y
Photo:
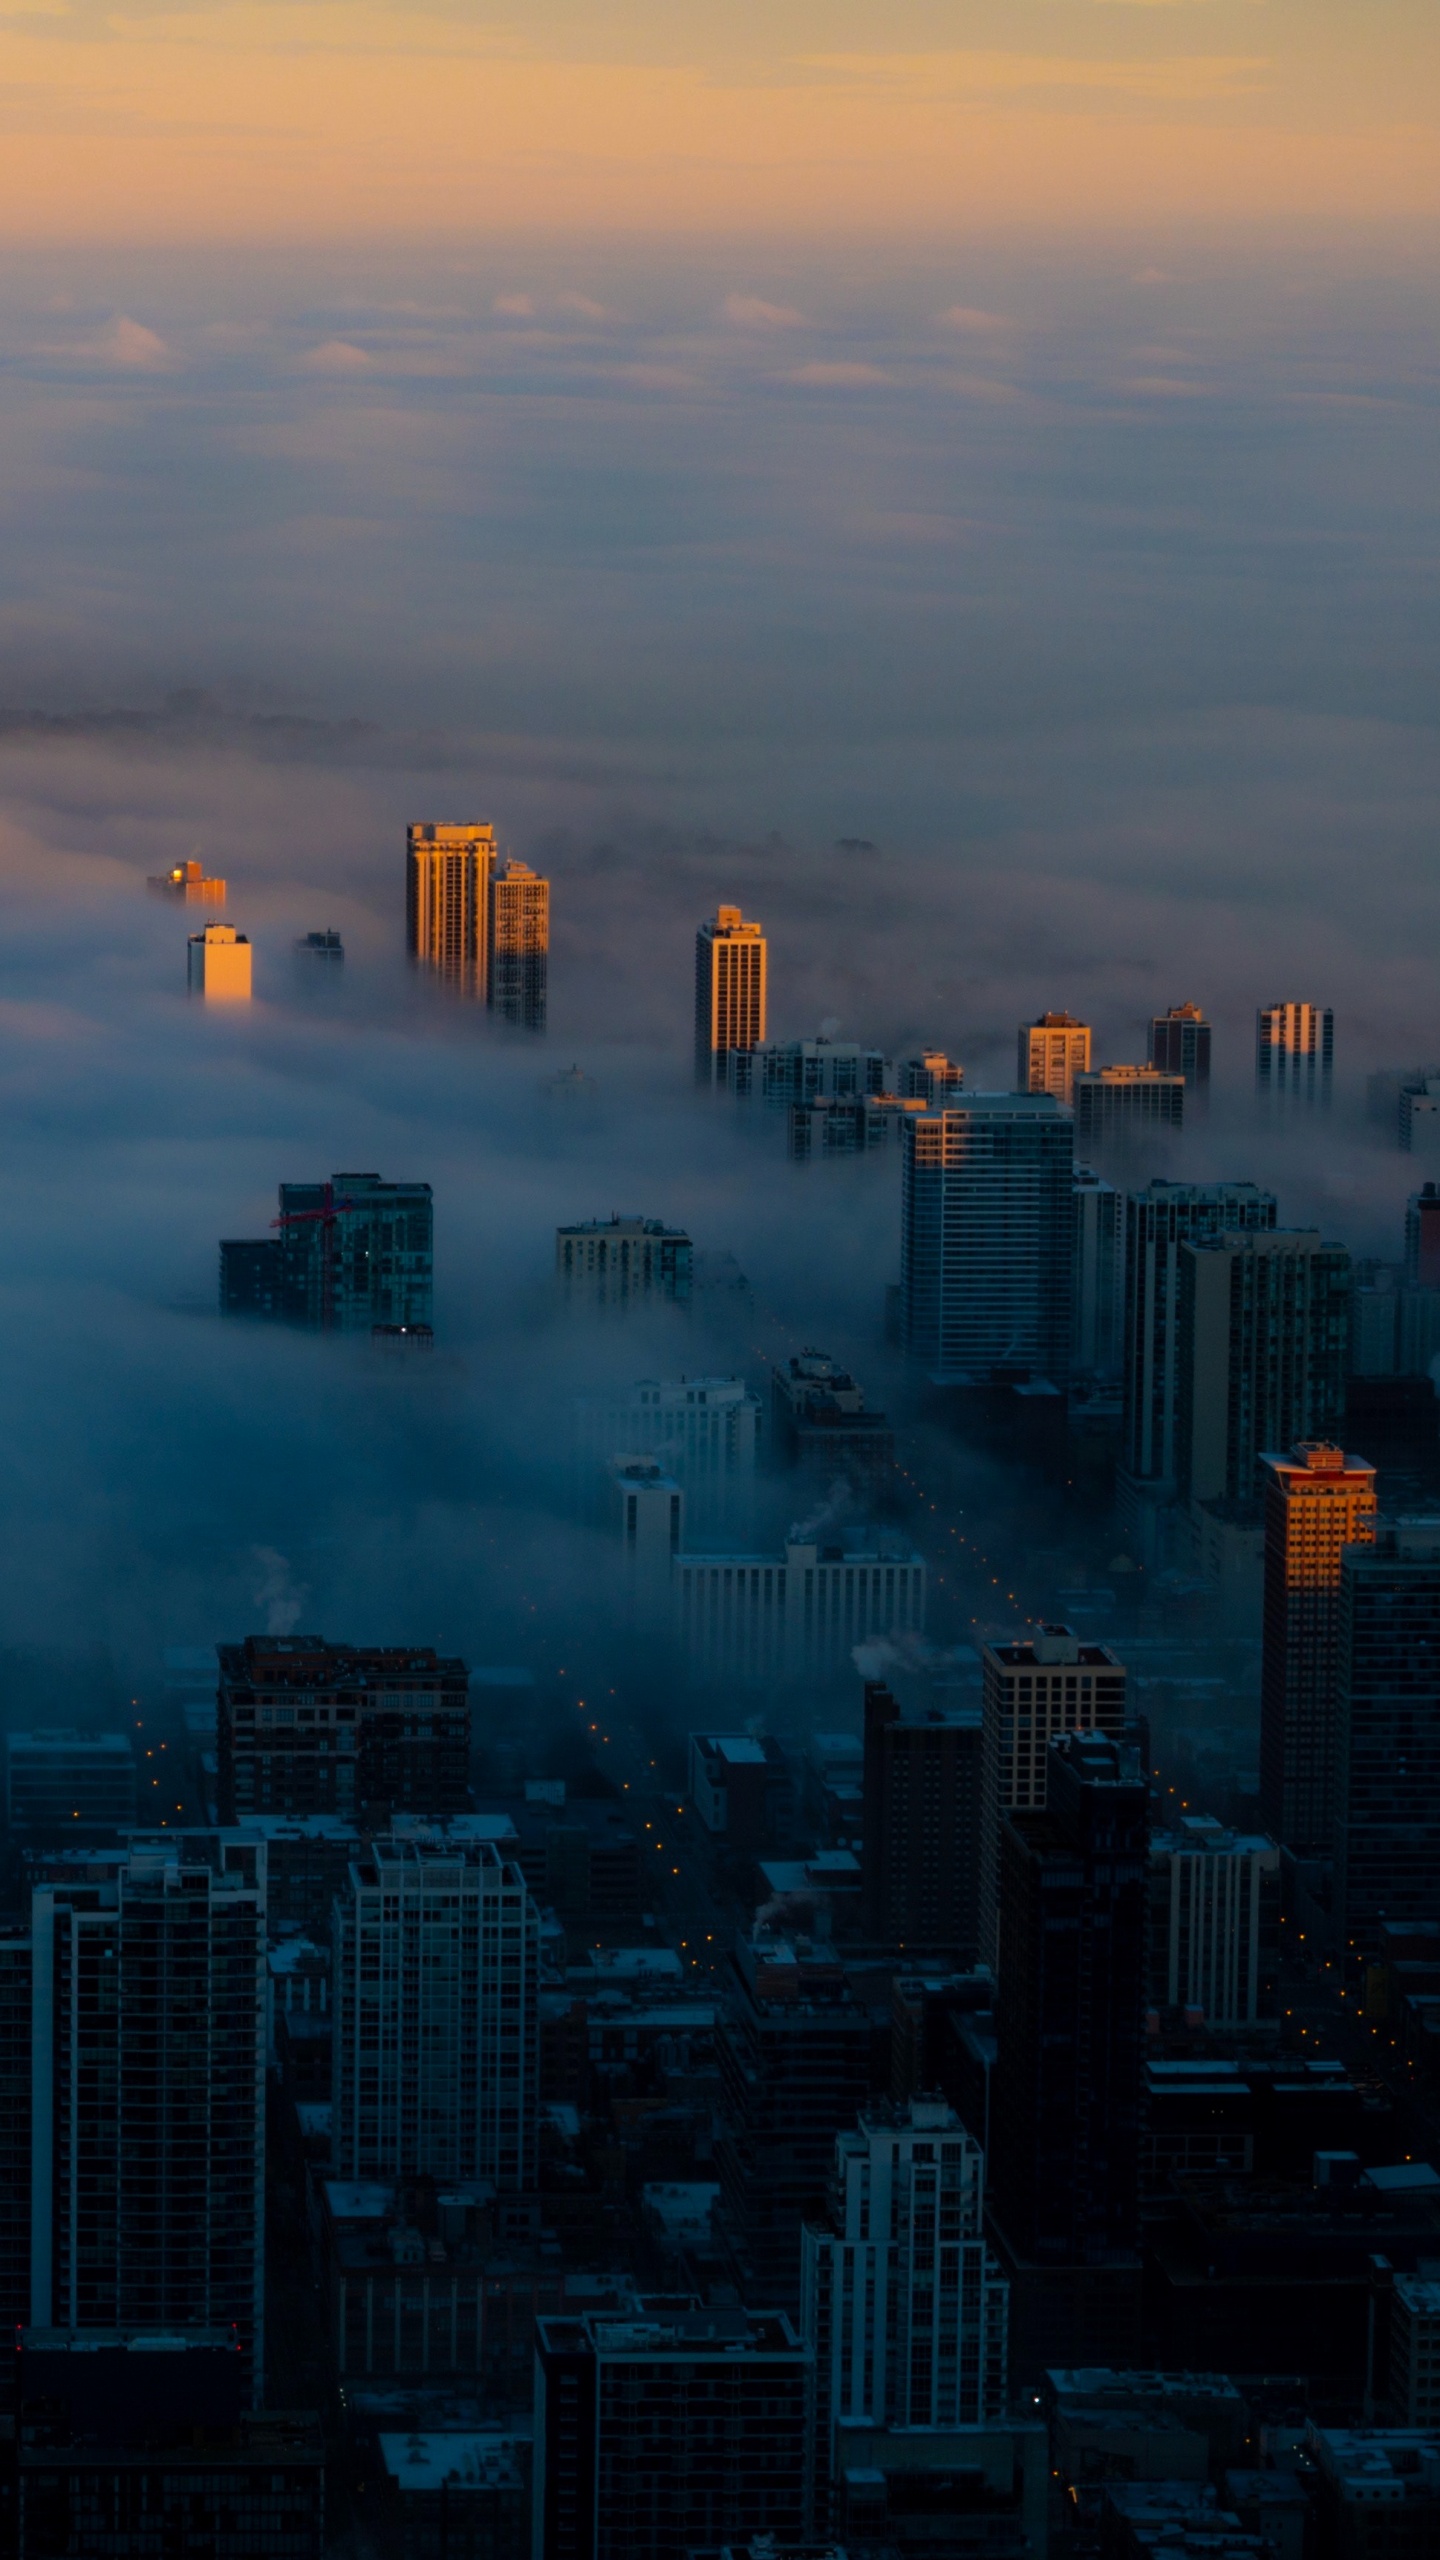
x=518 y=940
x=1294 y=1054
x=447 y=902
x=1317 y=1503
x=730 y=990
x=1054 y=1049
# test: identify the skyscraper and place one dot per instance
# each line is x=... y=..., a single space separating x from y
x=149 y=2033
x=518 y=945
x=1054 y=1049
x=352 y=1253
x=1035 y=1689
x=436 y=1965
x=704 y=1430
x=1069 y=2075
x=1122 y=1110
x=309 y=1727
x=903 y=2305
x=932 y=1078
x=1214 y=1899
x=624 y=1262
x=1097 y=1302
x=783 y=1072
x=1180 y=1046
x=1294 y=1053
x=1387 y=1730
x=922 y=1824
x=730 y=991
x=1318 y=1502
x=1158 y=1221
x=218 y=965
x=1422 y=1237
x=1264 y=1350
x=987 y=1237
x=447 y=882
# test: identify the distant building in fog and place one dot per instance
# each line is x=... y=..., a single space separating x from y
x=648 y=1507
x=760 y=1621
x=819 y=1422
x=60 y=1781
x=1098 y=1301
x=447 y=881
x=352 y=1254
x=730 y=991
x=1124 y=1111
x=778 y=1072
x=705 y=1431
x=187 y=883
x=218 y=965
x=1422 y=1237
x=308 y=1727
x=1180 y=1046
x=624 y=1262
x=1054 y=1049
x=518 y=945
x=987 y=1238
x=323 y=951
x=932 y=1078
x=1294 y=1054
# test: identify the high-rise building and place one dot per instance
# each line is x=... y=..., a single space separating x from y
x=148 y=2107
x=1264 y=1348
x=705 y=1431
x=794 y=2050
x=774 y=1620
x=987 y=1238
x=319 y=955
x=1054 y=1049
x=1180 y=1046
x=518 y=945
x=781 y=1072
x=932 y=1078
x=1422 y=1237
x=1097 y=1295
x=1033 y=1690
x=187 y=883
x=903 y=2305
x=821 y=1424
x=1120 y=1111
x=1387 y=1730
x=59 y=1781
x=17 y=2032
x=1318 y=1502
x=663 y=2429
x=730 y=991
x=1294 y=1053
x=352 y=1254
x=624 y=1262
x=1067 y=2109
x=1214 y=1922
x=648 y=1507
x=922 y=1825
x=1420 y=1117
x=307 y=1727
x=436 y=1965
x=447 y=903
x=218 y=965
x=1158 y=1221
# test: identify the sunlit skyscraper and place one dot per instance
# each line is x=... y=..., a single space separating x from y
x=218 y=966
x=1318 y=1502
x=518 y=941
x=447 y=903
x=1294 y=1053
x=1054 y=1049
x=730 y=991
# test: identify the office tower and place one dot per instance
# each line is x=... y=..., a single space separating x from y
x=1214 y=1899
x=61 y=1781
x=794 y=2050
x=820 y=1424
x=903 y=2306
x=1422 y=1237
x=1054 y=1049
x=1387 y=1730
x=320 y=954
x=1033 y=1690
x=1318 y=1502
x=784 y=1072
x=777 y=1620
x=1122 y=1111
x=447 y=882
x=624 y=1262
x=1158 y=1221
x=1420 y=1117
x=922 y=1825
x=352 y=1254
x=1069 y=2071
x=1294 y=1053
x=932 y=1078
x=730 y=991
x=664 y=2429
x=1394 y=1330
x=648 y=1510
x=218 y=965
x=987 y=1235
x=436 y=1969
x=705 y=1431
x=149 y=2032
x=856 y=1127
x=188 y=884
x=1097 y=1291
x=518 y=945
x=309 y=1727
x=1180 y=1046
x=1264 y=1339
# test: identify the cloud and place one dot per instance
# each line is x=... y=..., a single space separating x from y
x=839 y=376
x=581 y=305
x=338 y=355
x=747 y=311
x=513 y=306
x=964 y=315
x=132 y=348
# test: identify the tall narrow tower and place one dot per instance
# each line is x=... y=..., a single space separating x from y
x=1054 y=1049
x=1180 y=1046
x=447 y=902
x=518 y=942
x=1294 y=1053
x=1318 y=1502
x=730 y=991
